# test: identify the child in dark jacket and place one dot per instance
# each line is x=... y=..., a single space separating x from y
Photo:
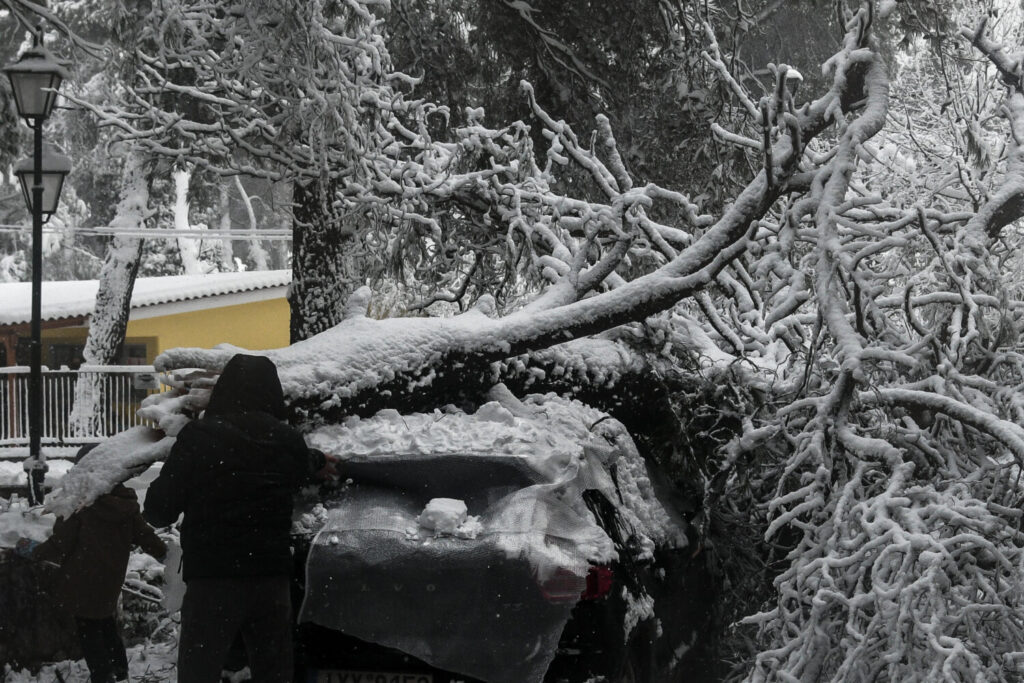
x=92 y=548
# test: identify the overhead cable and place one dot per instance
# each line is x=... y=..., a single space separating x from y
x=158 y=233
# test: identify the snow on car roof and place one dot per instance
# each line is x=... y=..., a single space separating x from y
x=550 y=438
x=69 y=299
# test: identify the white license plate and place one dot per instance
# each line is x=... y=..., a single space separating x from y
x=342 y=676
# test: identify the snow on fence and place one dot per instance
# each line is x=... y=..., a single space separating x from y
x=123 y=386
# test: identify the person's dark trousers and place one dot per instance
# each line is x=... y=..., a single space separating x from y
x=215 y=610
x=103 y=649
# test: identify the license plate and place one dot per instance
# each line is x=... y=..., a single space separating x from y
x=342 y=676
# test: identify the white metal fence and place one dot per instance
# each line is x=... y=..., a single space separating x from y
x=123 y=387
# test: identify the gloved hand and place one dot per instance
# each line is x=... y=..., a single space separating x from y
x=25 y=547
x=329 y=472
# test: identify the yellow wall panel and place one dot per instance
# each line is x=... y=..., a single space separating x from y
x=257 y=325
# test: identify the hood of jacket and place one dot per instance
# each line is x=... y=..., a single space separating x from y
x=119 y=502
x=247 y=384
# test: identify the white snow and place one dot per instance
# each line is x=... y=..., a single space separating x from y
x=149 y=661
x=19 y=520
x=360 y=352
x=443 y=515
x=495 y=412
x=547 y=441
x=12 y=473
x=470 y=528
x=113 y=461
x=638 y=608
x=188 y=248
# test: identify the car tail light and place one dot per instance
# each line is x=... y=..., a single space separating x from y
x=562 y=586
x=565 y=586
x=599 y=582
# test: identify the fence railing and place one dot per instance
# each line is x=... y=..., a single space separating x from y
x=123 y=389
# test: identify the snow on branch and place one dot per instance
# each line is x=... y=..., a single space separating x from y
x=920 y=582
x=1008 y=203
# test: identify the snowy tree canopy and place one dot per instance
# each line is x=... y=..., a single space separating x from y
x=859 y=291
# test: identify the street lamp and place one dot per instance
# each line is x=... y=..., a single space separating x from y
x=55 y=166
x=35 y=80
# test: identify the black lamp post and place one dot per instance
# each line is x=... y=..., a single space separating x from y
x=35 y=80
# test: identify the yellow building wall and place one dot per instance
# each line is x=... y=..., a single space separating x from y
x=257 y=325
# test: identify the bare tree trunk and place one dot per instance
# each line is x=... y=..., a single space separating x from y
x=256 y=251
x=226 y=251
x=188 y=247
x=322 y=274
x=113 y=299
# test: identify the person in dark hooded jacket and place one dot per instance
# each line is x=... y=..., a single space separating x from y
x=233 y=473
x=92 y=548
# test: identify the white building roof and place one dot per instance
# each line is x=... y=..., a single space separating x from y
x=78 y=298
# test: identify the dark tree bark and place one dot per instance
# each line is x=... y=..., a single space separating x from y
x=323 y=275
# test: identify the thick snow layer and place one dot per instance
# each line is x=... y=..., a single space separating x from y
x=521 y=468
x=113 y=461
x=18 y=520
x=78 y=298
x=554 y=437
x=492 y=429
x=361 y=353
x=600 y=360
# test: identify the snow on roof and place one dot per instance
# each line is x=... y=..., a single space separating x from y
x=78 y=298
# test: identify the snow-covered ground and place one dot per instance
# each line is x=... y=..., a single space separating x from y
x=148 y=662
x=13 y=474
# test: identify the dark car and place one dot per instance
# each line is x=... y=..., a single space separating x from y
x=566 y=575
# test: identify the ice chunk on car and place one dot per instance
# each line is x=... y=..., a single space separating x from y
x=443 y=515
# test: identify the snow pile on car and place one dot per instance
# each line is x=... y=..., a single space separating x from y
x=448 y=517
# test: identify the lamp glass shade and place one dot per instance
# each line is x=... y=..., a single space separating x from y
x=34 y=93
x=35 y=79
x=56 y=167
